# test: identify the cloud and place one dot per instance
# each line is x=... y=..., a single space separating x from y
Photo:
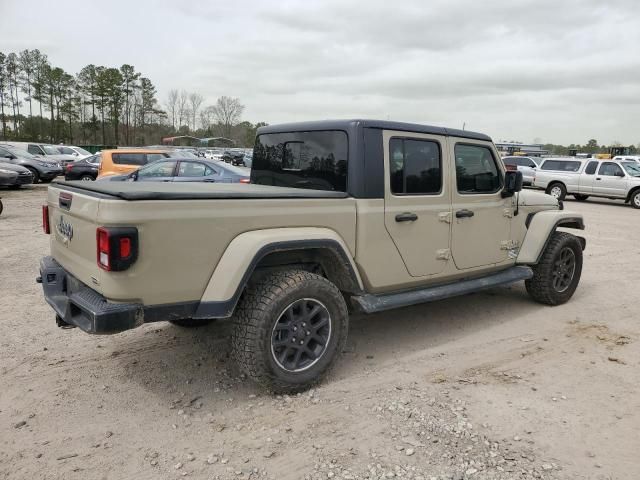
x=561 y=71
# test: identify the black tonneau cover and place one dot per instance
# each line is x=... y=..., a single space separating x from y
x=189 y=191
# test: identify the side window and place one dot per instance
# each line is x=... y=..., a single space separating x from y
x=610 y=170
x=66 y=151
x=5 y=153
x=591 y=168
x=128 y=158
x=192 y=169
x=159 y=169
x=476 y=169
x=415 y=167
x=34 y=149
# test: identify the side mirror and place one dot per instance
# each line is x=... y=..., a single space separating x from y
x=512 y=183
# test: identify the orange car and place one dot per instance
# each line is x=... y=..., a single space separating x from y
x=125 y=160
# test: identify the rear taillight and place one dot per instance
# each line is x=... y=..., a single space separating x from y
x=116 y=247
x=68 y=167
x=45 y=219
x=245 y=180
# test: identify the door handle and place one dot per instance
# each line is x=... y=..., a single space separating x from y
x=406 y=217
x=464 y=213
x=598 y=179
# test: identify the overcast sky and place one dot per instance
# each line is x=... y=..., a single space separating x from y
x=562 y=71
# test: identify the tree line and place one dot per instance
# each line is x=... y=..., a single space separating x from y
x=104 y=105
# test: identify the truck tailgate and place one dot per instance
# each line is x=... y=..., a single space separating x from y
x=72 y=219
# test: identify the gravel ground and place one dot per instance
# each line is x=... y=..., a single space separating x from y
x=492 y=386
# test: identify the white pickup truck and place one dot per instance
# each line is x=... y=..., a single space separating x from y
x=584 y=178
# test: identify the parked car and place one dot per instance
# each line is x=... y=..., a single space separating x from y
x=247 y=160
x=526 y=165
x=14 y=176
x=428 y=213
x=633 y=158
x=126 y=160
x=185 y=170
x=611 y=179
x=50 y=152
x=85 y=169
x=75 y=151
x=233 y=157
x=42 y=169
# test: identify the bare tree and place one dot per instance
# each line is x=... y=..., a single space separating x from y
x=182 y=108
x=206 y=117
x=195 y=99
x=172 y=106
x=227 y=111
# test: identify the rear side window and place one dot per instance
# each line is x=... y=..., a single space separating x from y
x=561 y=165
x=476 y=169
x=313 y=160
x=194 y=169
x=591 y=168
x=415 y=167
x=129 y=158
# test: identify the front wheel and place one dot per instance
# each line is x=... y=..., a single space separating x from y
x=556 y=276
x=635 y=199
x=289 y=329
x=580 y=198
x=35 y=174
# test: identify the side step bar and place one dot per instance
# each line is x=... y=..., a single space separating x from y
x=369 y=303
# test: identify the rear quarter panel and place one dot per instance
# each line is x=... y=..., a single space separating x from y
x=182 y=241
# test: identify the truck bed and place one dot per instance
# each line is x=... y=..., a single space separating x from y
x=190 y=190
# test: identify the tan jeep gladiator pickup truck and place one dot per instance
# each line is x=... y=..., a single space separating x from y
x=340 y=216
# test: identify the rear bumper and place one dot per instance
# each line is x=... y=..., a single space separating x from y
x=80 y=306
x=77 y=305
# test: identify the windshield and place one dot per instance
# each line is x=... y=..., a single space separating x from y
x=49 y=150
x=82 y=151
x=632 y=168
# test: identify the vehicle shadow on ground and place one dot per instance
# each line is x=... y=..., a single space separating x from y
x=199 y=360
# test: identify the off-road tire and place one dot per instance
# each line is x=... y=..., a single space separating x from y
x=541 y=286
x=36 y=175
x=192 y=322
x=580 y=198
x=563 y=190
x=257 y=314
x=634 y=199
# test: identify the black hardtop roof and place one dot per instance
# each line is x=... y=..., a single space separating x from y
x=351 y=125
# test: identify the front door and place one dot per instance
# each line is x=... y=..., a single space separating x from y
x=481 y=228
x=610 y=181
x=160 y=171
x=417 y=207
x=588 y=177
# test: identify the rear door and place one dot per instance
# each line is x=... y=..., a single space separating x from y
x=610 y=180
x=417 y=206
x=481 y=227
x=189 y=171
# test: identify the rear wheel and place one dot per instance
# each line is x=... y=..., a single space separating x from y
x=580 y=198
x=192 y=322
x=635 y=199
x=87 y=178
x=556 y=276
x=557 y=190
x=289 y=329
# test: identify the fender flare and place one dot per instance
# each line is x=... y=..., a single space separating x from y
x=540 y=227
x=244 y=253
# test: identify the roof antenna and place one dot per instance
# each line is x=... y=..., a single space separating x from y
x=464 y=124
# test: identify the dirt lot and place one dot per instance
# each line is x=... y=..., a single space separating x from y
x=487 y=386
